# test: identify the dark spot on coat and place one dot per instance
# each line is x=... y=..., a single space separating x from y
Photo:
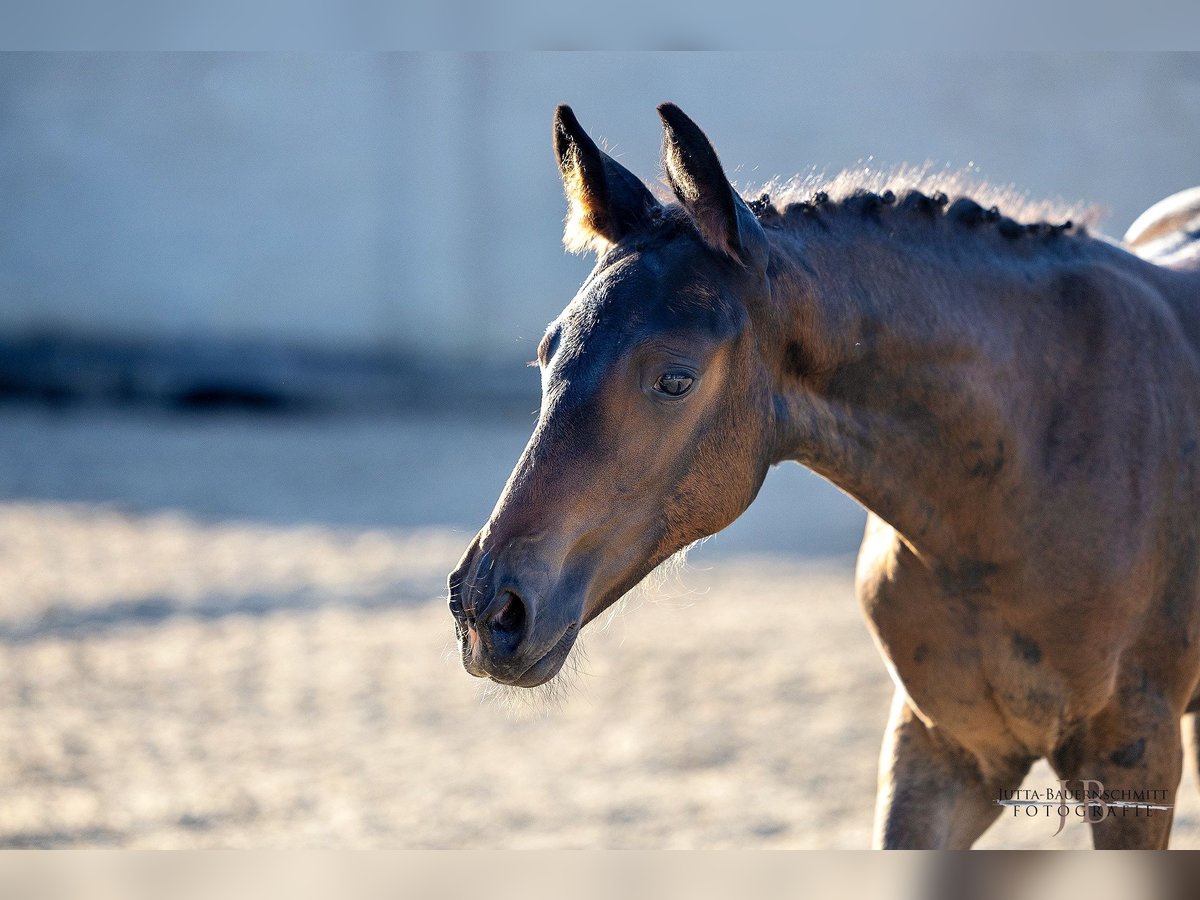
x=797 y=361
x=1084 y=319
x=988 y=467
x=1128 y=757
x=1055 y=431
x=1068 y=755
x=1179 y=593
x=967 y=579
x=1027 y=649
x=1042 y=706
x=921 y=653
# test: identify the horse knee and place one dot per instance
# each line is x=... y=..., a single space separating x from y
x=1134 y=766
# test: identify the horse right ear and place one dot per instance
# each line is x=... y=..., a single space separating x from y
x=721 y=216
x=605 y=200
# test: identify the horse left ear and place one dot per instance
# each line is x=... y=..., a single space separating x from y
x=719 y=213
x=605 y=200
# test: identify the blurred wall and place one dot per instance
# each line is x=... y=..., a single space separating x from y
x=410 y=204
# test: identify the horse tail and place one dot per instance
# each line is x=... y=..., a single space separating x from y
x=1168 y=233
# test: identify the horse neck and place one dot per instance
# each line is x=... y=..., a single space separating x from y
x=900 y=374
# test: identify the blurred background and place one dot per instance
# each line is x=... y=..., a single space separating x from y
x=263 y=327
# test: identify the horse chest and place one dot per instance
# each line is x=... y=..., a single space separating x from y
x=986 y=683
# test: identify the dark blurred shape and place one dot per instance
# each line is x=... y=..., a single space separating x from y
x=234 y=397
x=1177 y=874
x=1047 y=875
x=205 y=373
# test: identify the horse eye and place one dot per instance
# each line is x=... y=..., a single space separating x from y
x=674 y=384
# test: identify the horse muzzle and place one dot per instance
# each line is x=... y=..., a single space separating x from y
x=503 y=634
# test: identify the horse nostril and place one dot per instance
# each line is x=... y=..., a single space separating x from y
x=509 y=619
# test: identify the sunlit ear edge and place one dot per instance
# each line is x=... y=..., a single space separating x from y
x=579 y=229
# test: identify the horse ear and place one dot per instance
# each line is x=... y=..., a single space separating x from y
x=720 y=215
x=605 y=200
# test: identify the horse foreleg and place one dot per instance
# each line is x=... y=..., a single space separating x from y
x=932 y=794
x=1137 y=755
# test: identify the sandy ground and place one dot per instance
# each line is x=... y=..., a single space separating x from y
x=225 y=632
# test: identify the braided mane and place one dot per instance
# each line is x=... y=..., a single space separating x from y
x=954 y=196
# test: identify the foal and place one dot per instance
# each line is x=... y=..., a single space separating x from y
x=1017 y=406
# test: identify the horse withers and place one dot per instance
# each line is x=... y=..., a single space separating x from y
x=1016 y=403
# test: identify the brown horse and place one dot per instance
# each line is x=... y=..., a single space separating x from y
x=1017 y=405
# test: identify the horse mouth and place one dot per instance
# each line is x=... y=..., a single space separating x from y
x=544 y=667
